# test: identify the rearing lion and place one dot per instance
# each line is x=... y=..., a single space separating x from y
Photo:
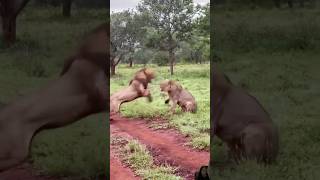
x=138 y=87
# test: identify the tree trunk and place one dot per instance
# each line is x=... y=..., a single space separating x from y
x=9 y=11
x=113 y=69
x=171 y=60
x=290 y=3
x=130 y=62
x=66 y=8
x=9 y=30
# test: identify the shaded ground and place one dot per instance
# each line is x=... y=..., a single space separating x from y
x=167 y=146
x=24 y=172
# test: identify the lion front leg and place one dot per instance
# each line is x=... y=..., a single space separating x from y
x=146 y=93
x=173 y=106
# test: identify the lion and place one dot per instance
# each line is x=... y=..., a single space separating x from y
x=242 y=122
x=178 y=95
x=80 y=91
x=138 y=87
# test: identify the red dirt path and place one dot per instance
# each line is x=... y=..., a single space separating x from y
x=119 y=172
x=166 y=145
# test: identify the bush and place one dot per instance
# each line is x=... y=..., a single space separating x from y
x=160 y=58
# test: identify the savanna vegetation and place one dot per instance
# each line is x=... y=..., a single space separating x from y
x=172 y=38
x=195 y=78
x=44 y=39
x=273 y=53
x=162 y=33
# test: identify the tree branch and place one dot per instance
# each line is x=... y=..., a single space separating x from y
x=21 y=6
x=115 y=63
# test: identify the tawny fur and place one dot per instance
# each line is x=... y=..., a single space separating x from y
x=241 y=122
x=81 y=90
x=138 y=87
x=178 y=96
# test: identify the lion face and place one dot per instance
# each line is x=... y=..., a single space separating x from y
x=164 y=85
x=149 y=73
x=169 y=86
x=146 y=74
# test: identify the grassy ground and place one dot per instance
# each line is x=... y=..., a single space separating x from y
x=274 y=55
x=195 y=78
x=44 y=41
x=141 y=162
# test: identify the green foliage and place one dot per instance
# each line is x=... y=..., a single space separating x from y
x=172 y=20
x=153 y=33
x=160 y=58
x=126 y=33
x=179 y=25
x=143 y=56
x=202 y=23
x=195 y=50
x=126 y=30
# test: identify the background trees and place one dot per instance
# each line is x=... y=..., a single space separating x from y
x=9 y=10
x=126 y=35
x=162 y=32
x=172 y=21
x=267 y=3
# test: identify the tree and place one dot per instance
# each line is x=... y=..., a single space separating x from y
x=172 y=19
x=126 y=35
x=9 y=10
x=142 y=56
x=202 y=23
x=200 y=41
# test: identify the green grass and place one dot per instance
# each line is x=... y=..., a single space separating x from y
x=195 y=78
x=266 y=30
x=283 y=78
x=44 y=40
x=140 y=160
x=78 y=150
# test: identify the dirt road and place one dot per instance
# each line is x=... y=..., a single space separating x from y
x=167 y=146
